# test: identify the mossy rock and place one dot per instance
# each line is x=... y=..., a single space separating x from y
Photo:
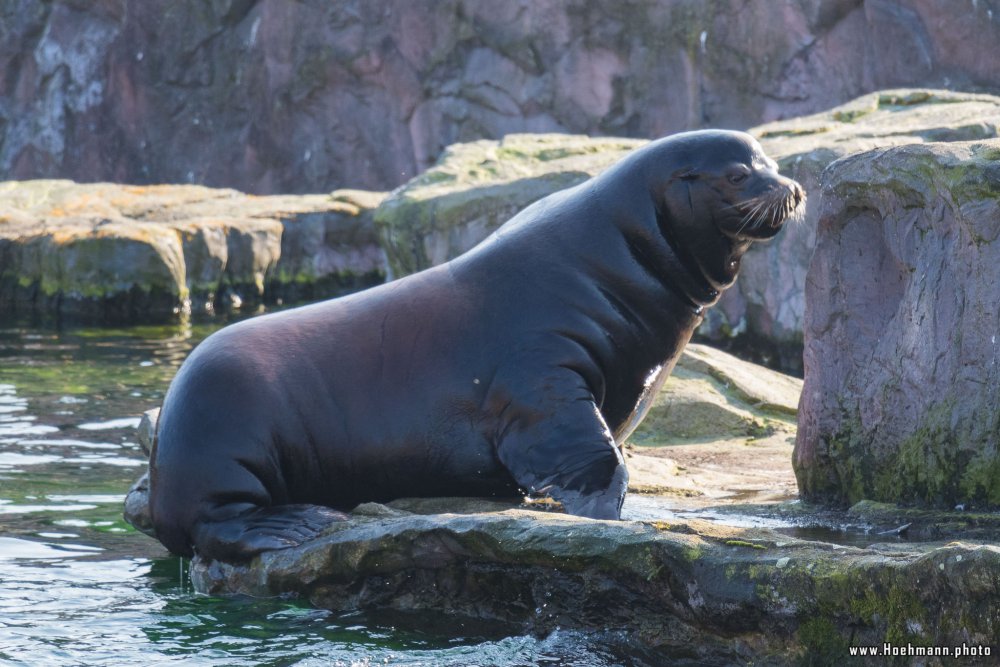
x=475 y=187
x=103 y=252
x=712 y=395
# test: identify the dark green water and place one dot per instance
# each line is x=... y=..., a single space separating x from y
x=79 y=587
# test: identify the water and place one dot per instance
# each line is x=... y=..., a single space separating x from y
x=78 y=586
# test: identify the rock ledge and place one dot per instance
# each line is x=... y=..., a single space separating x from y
x=718 y=592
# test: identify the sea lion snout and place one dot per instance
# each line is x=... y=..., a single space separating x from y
x=789 y=195
x=769 y=205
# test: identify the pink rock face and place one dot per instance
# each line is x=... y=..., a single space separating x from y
x=902 y=361
x=306 y=97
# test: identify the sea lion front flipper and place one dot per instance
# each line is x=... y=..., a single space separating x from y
x=566 y=451
x=244 y=535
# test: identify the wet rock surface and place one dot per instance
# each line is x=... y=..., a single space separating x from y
x=115 y=253
x=901 y=355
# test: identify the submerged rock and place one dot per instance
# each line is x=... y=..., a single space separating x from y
x=115 y=253
x=902 y=376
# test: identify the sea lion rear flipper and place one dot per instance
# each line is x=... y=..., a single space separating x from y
x=245 y=535
x=569 y=455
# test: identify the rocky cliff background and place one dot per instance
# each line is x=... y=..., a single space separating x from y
x=270 y=96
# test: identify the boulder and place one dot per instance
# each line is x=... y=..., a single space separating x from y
x=719 y=429
x=116 y=253
x=136 y=508
x=146 y=431
x=712 y=396
x=136 y=511
x=476 y=187
x=901 y=353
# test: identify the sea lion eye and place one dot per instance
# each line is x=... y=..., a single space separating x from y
x=737 y=176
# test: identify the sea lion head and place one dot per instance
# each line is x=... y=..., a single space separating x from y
x=724 y=178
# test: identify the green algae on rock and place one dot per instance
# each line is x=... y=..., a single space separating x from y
x=712 y=395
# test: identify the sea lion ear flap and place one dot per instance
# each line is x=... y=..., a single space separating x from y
x=685 y=174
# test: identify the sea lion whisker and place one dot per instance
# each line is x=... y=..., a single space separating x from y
x=759 y=204
x=748 y=221
x=773 y=210
x=760 y=211
x=749 y=218
x=782 y=210
x=765 y=218
x=745 y=221
x=752 y=202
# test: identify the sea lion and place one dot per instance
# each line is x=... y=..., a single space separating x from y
x=518 y=367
